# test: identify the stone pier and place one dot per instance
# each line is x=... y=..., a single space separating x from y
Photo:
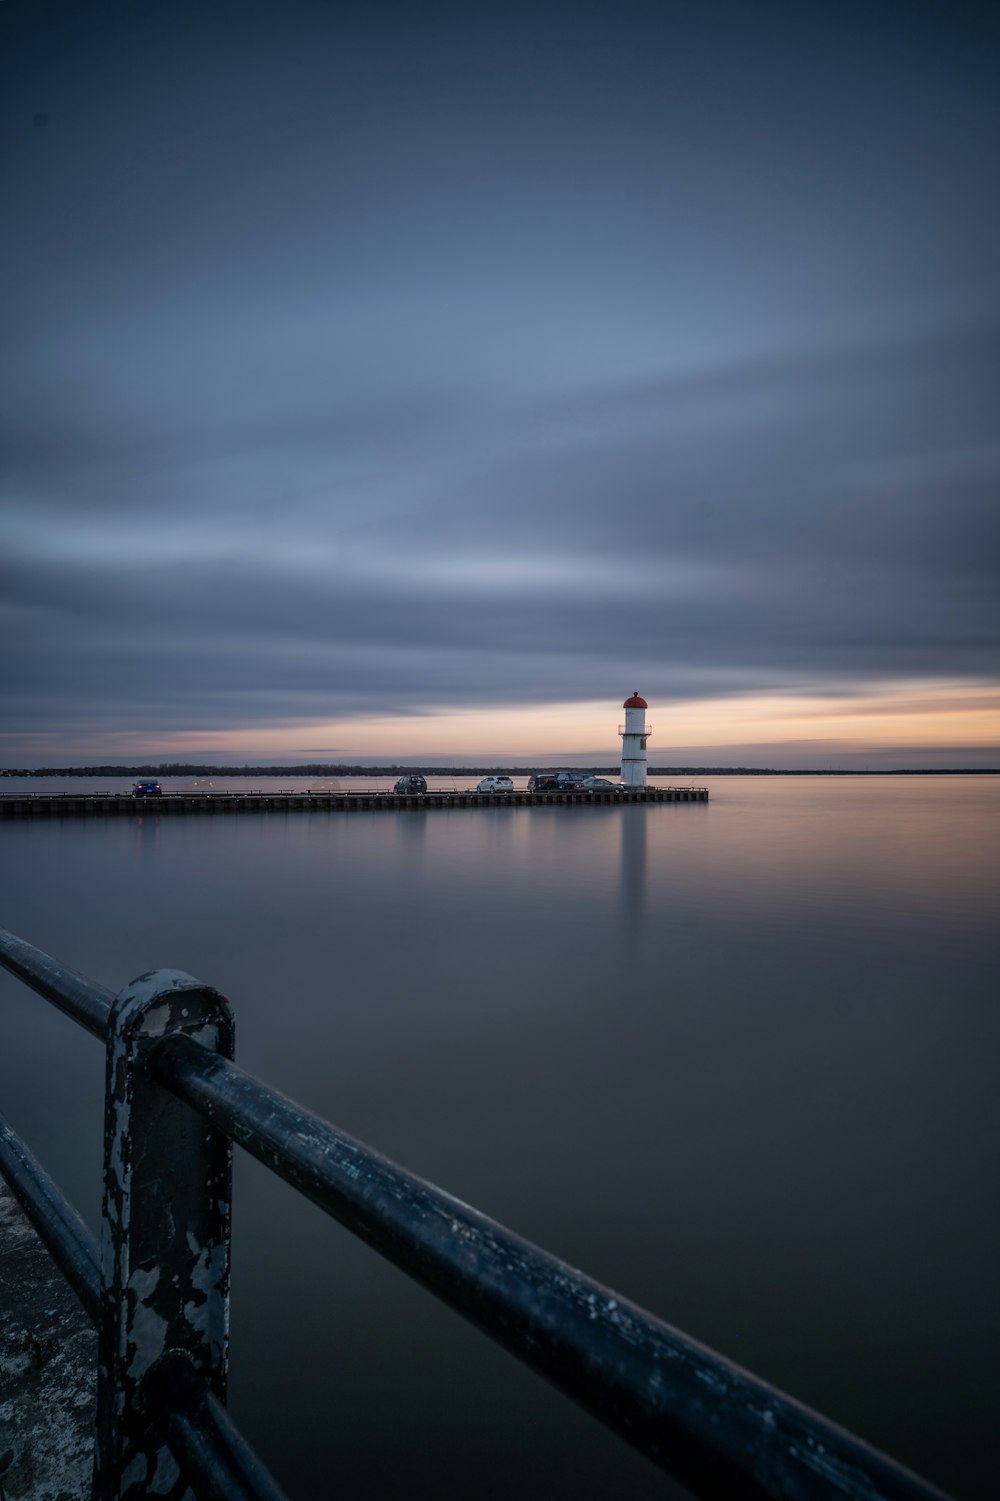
x=48 y=1364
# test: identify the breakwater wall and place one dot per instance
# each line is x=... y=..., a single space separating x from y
x=122 y=805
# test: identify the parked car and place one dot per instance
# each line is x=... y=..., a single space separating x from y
x=495 y=784
x=599 y=784
x=148 y=787
x=411 y=784
x=554 y=781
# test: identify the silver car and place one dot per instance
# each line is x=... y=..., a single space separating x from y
x=495 y=784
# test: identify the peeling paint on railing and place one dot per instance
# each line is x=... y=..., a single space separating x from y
x=165 y=1230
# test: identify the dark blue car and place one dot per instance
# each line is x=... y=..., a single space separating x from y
x=411 y=784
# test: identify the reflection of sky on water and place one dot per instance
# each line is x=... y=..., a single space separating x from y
x=735 y=1060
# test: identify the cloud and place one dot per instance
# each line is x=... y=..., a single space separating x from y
x=826 y=517
x=494 y=374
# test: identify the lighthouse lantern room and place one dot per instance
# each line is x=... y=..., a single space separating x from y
x=634 y=733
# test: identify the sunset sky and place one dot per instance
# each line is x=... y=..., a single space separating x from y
x=401 y=382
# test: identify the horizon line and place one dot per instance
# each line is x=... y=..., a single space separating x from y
x=181 y=768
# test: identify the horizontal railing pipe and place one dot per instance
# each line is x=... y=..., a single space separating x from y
x=213 y=1456
x=71 y=1245
x=80 y=998
x=714 y=1427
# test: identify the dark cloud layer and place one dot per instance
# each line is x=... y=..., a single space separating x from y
x=380 y=365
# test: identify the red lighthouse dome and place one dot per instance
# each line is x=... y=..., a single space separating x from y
x=635 y=702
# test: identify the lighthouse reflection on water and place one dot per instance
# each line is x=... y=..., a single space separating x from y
x=633 y=868
x=634 y=734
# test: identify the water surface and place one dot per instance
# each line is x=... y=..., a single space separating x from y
x=736 y=1060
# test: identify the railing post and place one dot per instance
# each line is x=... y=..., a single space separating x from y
x=164 y=1231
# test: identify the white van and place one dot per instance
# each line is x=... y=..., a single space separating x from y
x=496 y=784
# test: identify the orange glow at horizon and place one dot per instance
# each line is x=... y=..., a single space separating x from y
x=935 y=715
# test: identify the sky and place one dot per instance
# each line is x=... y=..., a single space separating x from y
x=399 y=382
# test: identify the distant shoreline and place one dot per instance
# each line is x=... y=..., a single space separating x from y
x=177 y=769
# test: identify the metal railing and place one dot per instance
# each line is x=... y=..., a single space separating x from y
x=158 y=1289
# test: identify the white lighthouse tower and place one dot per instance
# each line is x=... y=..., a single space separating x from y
x=634 y=733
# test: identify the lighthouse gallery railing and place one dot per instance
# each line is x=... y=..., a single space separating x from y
x=158 y=1287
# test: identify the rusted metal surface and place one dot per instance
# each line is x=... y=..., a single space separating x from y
x=164 y=1232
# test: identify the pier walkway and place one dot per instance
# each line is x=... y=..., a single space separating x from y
x=116 y=804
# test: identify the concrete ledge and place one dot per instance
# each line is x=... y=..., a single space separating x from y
x=122 y=805
x=48 y=1366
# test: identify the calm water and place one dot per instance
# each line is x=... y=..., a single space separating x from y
x=738 y=1061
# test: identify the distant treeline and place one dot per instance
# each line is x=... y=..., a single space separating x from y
x=309 y=769
x=321 y=769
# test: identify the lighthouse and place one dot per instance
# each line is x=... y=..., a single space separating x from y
x=634 y=733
